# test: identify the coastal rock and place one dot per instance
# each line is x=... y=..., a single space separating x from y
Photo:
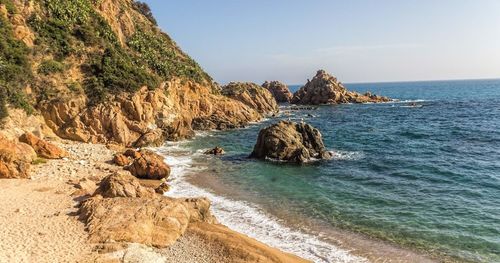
x=290 y=142
x=43 y=148
x=149 y=165
x=215 y=151
x=132 y=153
x=15 y=159
x=279 y=90
x=121 y=184
x=162 y=188
x=121 y=160
x=252 y=95
x=157 y=222
x=326 y=89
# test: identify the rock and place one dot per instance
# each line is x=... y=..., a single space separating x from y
x=132 y=153
x=326 y=89
x=279 y=90
x=149 y=166
x=85 y=187
x=122 y=184
x=121 y=160
x=157 y=222
x=162 y=188
x=15 y=159
x=290 y=142
x=43 y=148
x=252 y=95
x=215 y=151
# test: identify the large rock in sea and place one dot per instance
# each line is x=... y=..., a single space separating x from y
x=43 y=148
x=252 y=95
x=279 y=90
x=326 y=89
x=290 y=142
x=15 y=159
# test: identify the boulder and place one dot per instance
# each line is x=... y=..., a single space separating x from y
x=149 y=165
x=43 y=148
x=15 y=159
x=326 y=89
x=121 y=160
x=290 y=142
x=279 y=90
x=157 y=222
x=123 y=184
x=162 y=188
x=251 y=95
x=215 y=151
x=132 y=153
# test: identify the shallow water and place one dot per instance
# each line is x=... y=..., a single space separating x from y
x=426 y=178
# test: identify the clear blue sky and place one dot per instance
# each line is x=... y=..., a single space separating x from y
x=358 y=41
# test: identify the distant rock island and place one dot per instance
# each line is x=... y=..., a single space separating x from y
x=326 y=89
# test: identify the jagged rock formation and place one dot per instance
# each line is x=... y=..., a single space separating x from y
x=43 y=148
x=129 y=83
x=15 y=159
x=252 y=95
x=123 y=184
x=279 y=90
x=149 y=165
x=326 y=89
x=290 y=142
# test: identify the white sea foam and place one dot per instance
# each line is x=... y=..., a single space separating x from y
x=346 y=155
x=248 y=218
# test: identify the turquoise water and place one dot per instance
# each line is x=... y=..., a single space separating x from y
x=426 y=178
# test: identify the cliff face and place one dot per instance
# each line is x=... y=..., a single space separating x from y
x=102 y=71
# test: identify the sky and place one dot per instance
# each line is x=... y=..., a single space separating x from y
x=356 y=40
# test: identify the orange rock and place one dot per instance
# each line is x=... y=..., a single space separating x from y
x=15 y=159
x=43 y=148
x=149 y=166
x=121 y=160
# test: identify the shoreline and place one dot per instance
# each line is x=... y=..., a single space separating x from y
x=338 y=245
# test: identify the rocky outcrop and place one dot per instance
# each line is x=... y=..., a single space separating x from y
x=121 y=160
x=149 y=165
x=290 y=142
x=43 y=148
x=157 y=222
x=215 y=151
x=251 y=95
x=123 y=184
x=326 y=89
x=147 y=117
x=279 y=90
x=15 y=159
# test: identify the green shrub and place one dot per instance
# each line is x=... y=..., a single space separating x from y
x=144 y=9
x=48 y=67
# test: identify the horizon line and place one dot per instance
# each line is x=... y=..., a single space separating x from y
x=409 y=81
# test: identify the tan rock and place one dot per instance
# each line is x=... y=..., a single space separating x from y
x=132 y=153
x=251 y=95
x=290 y=142
x=15 y=159
x=279 y=90
x=162 y=188
x=326 y=89
x=121 y=160
x=43 y=148
x=149 y=166
x=215 y=151
x=155 y=222
x=123 y=184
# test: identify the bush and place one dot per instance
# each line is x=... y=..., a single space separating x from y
x=144 y=9
x=48 y=67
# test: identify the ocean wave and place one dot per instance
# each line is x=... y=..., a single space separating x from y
x=249 y=219
x=346 y=155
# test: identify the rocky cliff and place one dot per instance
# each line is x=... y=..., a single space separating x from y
x=252 y=95
x=279 y=90
x=326 y=89
x=102 y=71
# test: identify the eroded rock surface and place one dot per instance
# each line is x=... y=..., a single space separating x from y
x=251 y=95
x=15 y=159
x=326 y=89
x=123 y=184
x=279 y=90
x=290 y=142
x=43 y=148
x=149 y=165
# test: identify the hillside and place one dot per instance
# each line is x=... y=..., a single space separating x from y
x=102 y=71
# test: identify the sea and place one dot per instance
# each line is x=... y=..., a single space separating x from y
x=415 y=180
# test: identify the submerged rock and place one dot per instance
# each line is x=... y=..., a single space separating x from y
x=43 y=148
x=215 y=151
x=326 y=89
x=251 y=95
x=290 y=142
x=279 y=90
